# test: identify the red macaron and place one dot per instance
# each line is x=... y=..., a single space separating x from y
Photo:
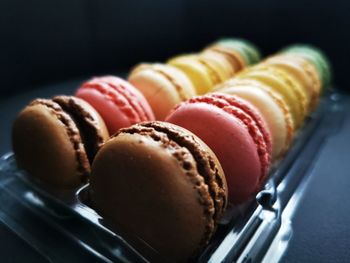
x=237 y=134
x=118 y=102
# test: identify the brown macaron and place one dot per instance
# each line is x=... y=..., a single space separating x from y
x=55 y=140
x=162 y=183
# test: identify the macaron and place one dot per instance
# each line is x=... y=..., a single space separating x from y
x=231 y=56
x=55 y=140
x=292 y=83
x=162 y=85
x=248 y=51
x=281 y=83
x=272 y=107
x=220 y=62
x=237 y=134
x=162 y=183
x=302 y=71
x=203 y=73
x=316 y=57
x=118 y=102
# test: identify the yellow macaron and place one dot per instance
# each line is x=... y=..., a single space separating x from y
x=284 y=85
x=220 y=62
x=203 y=70
x=232 y=56
x=302 y=71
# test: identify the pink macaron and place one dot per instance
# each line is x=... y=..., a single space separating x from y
x=118 y=102
x=237 y=134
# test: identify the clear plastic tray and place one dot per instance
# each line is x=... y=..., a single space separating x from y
x=256 y=231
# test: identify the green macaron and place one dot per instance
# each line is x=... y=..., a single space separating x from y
x=250 y=53
x=316 y=57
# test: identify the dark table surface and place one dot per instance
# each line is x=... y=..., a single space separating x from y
x=321 y=224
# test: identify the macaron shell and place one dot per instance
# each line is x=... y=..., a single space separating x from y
x=251 y=118
x=296 y=72
x=213 y=70
x=249 y=52
x=92 y=128
x=139 y=206
x=293 y=85
x=49 y=147
x=209 y=167
x=316 y=57
x=271 y=111
x=268 y=78
x=195 y=71
x=133 y=95
x=306 y=76
x=181 y=82
x=113 y=115
x=234 y=147
x=164 y=168
x=233 y=57
x=323 y=66
x=118 y=102
x=220 y=63
x=163 y=86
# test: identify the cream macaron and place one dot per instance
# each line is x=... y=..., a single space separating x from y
x=163 y=86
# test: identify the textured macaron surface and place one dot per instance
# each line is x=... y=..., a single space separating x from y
x=159 y=181
x=234 y=130
x=92 y=128
x=117 y=101
x=55 y=140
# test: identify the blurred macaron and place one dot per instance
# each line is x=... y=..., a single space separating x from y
x=162 y=85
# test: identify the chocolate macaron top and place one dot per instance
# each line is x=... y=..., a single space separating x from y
x=53 y=140
x=160 y=182
x=207 y=165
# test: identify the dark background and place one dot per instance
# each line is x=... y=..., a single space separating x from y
x=43 y=42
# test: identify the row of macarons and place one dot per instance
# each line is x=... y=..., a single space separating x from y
x=285 y=87
x=215 y=147
x=278 y=92
x=165 y=85
x=184 y=76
